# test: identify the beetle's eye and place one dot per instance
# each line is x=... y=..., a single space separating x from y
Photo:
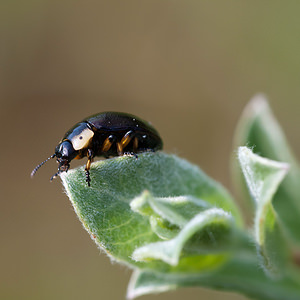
x=82 y=140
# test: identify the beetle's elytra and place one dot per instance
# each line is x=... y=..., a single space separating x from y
x=105 y=134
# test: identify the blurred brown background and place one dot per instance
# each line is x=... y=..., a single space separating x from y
x=187 y=66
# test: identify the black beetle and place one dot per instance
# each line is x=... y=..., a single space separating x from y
x=105 y=134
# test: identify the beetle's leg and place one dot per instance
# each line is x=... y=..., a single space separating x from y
x=55 y=175
x=130 y=154
x=88 y=166
x=135 y=144
x=62 y=168
x=134 y=148
x=124 y=142
x=108 y=143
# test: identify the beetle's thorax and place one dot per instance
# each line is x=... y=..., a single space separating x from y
x=80 y=136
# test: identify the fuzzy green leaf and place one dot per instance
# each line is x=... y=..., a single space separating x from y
x=117 y=213
x=202 y=232
x=259 y=130
x=141 y=206
x=263 y=176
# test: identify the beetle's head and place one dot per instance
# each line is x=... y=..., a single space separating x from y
x=64 y=153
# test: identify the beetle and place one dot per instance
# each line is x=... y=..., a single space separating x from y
x=107 y=134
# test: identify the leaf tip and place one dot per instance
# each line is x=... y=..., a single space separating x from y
x=257 y=104
x=246 y=154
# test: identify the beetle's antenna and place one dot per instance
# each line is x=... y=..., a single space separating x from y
x=38 y=166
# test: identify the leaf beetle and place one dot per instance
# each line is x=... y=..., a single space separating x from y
x=105 y=134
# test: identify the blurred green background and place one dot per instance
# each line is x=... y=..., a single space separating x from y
x=189 y=67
